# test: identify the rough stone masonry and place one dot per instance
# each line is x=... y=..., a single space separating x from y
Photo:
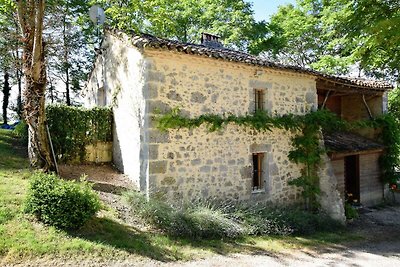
x=193 y=163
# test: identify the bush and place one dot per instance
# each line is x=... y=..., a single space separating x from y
x=350 y=212
x=72 y=128
x=262 y=219
x=21 y=131
x=196 y=220
x=63 y=204
x=210 y=219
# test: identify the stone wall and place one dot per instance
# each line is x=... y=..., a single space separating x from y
x=118 y=81
x=187 y=164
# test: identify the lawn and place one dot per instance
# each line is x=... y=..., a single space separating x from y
x=22 y=238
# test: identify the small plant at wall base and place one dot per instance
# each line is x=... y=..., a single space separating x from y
x=72 y=128
x=213 y=219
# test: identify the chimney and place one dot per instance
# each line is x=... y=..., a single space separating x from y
x=211 y=40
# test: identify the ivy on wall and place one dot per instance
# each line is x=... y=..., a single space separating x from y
x=72 y=128
x=306 y=142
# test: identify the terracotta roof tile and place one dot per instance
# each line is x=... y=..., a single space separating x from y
x=150 y=41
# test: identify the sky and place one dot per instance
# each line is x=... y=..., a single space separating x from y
x=263 y=9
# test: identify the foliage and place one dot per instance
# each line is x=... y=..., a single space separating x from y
x=293 y=36
x=184 y=20
x=72 y=128
x=306 y=143
x=214 y=219
x=10 y=53
x=336 y=36
x=63 y=204
x=21 y=131
x=376 y=26
x=350 y=212
x=106 y=237
x=195 y=220
x=390 y=136
x=70 y=52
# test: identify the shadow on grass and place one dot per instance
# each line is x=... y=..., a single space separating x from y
x=226 y=246
x=159 y=246
x=13 y=153
x=123 y=237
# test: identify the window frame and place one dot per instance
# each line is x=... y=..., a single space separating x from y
x=258 y=183
x=259 y=98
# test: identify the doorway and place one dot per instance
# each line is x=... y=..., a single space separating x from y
x=352 y=179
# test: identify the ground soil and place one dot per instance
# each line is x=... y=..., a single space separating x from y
x=378 y=227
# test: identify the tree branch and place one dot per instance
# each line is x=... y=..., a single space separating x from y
x=37 y=53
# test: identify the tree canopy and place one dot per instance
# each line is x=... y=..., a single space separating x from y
x=184 y=20
x=335 y=36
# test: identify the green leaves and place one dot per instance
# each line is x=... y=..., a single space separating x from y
x=306 y=142
x=72 y=128
x=183 y=20
x=63 y=204
x=332 y=36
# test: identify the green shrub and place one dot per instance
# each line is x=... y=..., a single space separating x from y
x=262 y=219
x=350 y=212
x=63 y=204
x=211 y=219
x=72 y=128
x=21 y=131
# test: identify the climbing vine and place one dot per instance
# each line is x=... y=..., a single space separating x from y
x=306 y=142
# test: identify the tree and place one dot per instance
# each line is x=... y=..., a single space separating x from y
x=68 y=50
x=376 y=24
x=10 y=58
x=335 y=36
x=30 y=19
x=6 y=95
x=298 y=35
x=184 y=20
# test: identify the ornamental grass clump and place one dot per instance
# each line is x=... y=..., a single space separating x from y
x=63 y=204
x=216 y=219
x=194 y=220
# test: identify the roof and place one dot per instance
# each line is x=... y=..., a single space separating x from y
x=149 y=41
x=345 y=142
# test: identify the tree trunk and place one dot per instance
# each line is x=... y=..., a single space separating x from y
x=19 y=97
x=68 y=97
x=66 y=66
x=6 y=94
x=30 y=18
x=35 y=116
x=19 y=75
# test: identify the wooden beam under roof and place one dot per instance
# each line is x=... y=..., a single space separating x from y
x=347 y=89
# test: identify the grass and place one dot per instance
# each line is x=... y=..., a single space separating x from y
x=22 y=238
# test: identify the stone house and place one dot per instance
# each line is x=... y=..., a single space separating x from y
x=137 y=74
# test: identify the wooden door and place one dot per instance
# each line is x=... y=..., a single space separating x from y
x=352 y=178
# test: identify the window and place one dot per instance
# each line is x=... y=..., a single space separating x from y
x=258 y=171
x=259 y=99
x=101 y=97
